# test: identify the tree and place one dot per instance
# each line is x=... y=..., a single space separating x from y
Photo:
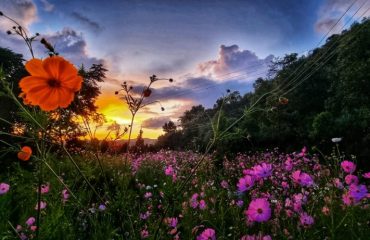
x=169 y=127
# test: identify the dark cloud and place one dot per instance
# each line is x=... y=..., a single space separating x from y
x=71 y=45
x=155 y=123
x=87 y=21
x=167 y=68
x=230 y=59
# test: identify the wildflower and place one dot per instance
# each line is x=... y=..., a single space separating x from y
x=302 y=178
x=52 y=84
x=33 y=228
x=347 y=199
x=45 y=188
x=306 y=220
x=263 y=170
x=239 y=203
x=245 y=183
x=25 y=153
x=224 y=184
x=102 y=207
x=148 y=195
x=259 y=210
x=325 y=210
x=194 y=200
x=65 y=195
x=336 y=140
x=144 y=233
x=348 y=166
x=366 y=175
x=30 y=221
x=207 y=234
x=337 y=183
x=358 y=192
x=169 y=171
x=288 y=164
x=172 y=222
x=4 y=188
x=202 y=204
x=42 y=205
x=351 y=179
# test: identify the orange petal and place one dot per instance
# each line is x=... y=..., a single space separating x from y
x=36 y=94
x=66 y=97
x=27 y=83
x=67 y=70
x=35 y=68
x=74 y=83
x=52 y=66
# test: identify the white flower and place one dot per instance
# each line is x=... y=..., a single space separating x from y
x=336 y=140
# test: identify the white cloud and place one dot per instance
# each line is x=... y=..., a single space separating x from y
x=22 y=11
x=48 y=7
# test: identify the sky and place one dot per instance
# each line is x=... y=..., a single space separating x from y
x=206 y=46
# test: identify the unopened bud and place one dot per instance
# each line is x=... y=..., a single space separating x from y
x=9 y=32
x=116 y=92
x=1 y=13
x=162 y=108
x=170 y=80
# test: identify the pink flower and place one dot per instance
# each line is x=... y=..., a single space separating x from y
x=65 y=195
x=245 y=183
x=207 y=234
x=347 y=199
x=338 y=184
x=169 y=170
x=42 y=205
x=305 y=219
x=325 y=210
x=259 y=210
x=148 y=195
x=256 y=237
x=45 y=188
x=263 y=170
x=366 y=175
x=172 y=222
x=288 y=164
x=4 y=188
x=302 y=178
x=285 y=185
x=348 y=167
x=33 y=228
x=194 y=200
x=239 y=203
x=30 y=221
x=224 y=184
x=202 y=204
x=144 y=233
x=351 y=179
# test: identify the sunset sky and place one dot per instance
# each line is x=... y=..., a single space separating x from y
x=206 y=46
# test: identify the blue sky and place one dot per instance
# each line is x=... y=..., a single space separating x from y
x=206 y=46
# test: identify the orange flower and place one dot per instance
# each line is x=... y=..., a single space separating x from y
x=52 y=84
x=25 y=153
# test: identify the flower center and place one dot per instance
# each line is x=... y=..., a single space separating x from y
x=259 y=210
x=54 y=83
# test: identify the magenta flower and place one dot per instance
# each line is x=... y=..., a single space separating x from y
x=288 y=164
x=65 y=195
x=348 y=199
x=144 y=233
x=351 y=179
x=259 y=210
x=256 y=237
x=263 y=170
x=358 y=192
x=305 y=219
x=224 y=184
x=194 y=200
x=348 y=166
x=245 y=183
x=42 y=205
x=30 y=221
x=338 y=184
x=239 y=203
x=207 y=234
x=45 y=188
x=169 y=170
x=4 y=188
x=202 y=204
x=366 y=175
x=302 y=178
x=172 y=222
x=148 y=195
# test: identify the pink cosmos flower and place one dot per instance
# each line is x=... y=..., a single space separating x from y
x=172 y=222
x=302 y=178
x=42 y=205
x=285 y=185
x=263 y=170
x=325 y=210
x=351 y=179
x=224 y=184
x=245 y=183
x=30 y=221
x=169 y=170
x=33 y=228
x=45 y=188
x=144 y=233
x=366 y=175
x=348 y=167
x=202 y=204
x=207 y=234
x=194 y=200
x=148 y=195
x=305 y=219
x=337 y=183
x=259 y=210
x=4 y=188
x=288 y=164
x=347 y=199
x=65 y=195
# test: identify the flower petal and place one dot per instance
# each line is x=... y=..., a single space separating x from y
x=52 y=66
x=36 y=69
x=27 y=83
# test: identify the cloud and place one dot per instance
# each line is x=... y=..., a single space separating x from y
x=87 y=21
x=154 y=123
x=232 y=59
x=71 y=45
x=23 y=11
x=48 y=7
x=331 y=11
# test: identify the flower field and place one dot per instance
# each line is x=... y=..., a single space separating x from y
x=181 y=195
